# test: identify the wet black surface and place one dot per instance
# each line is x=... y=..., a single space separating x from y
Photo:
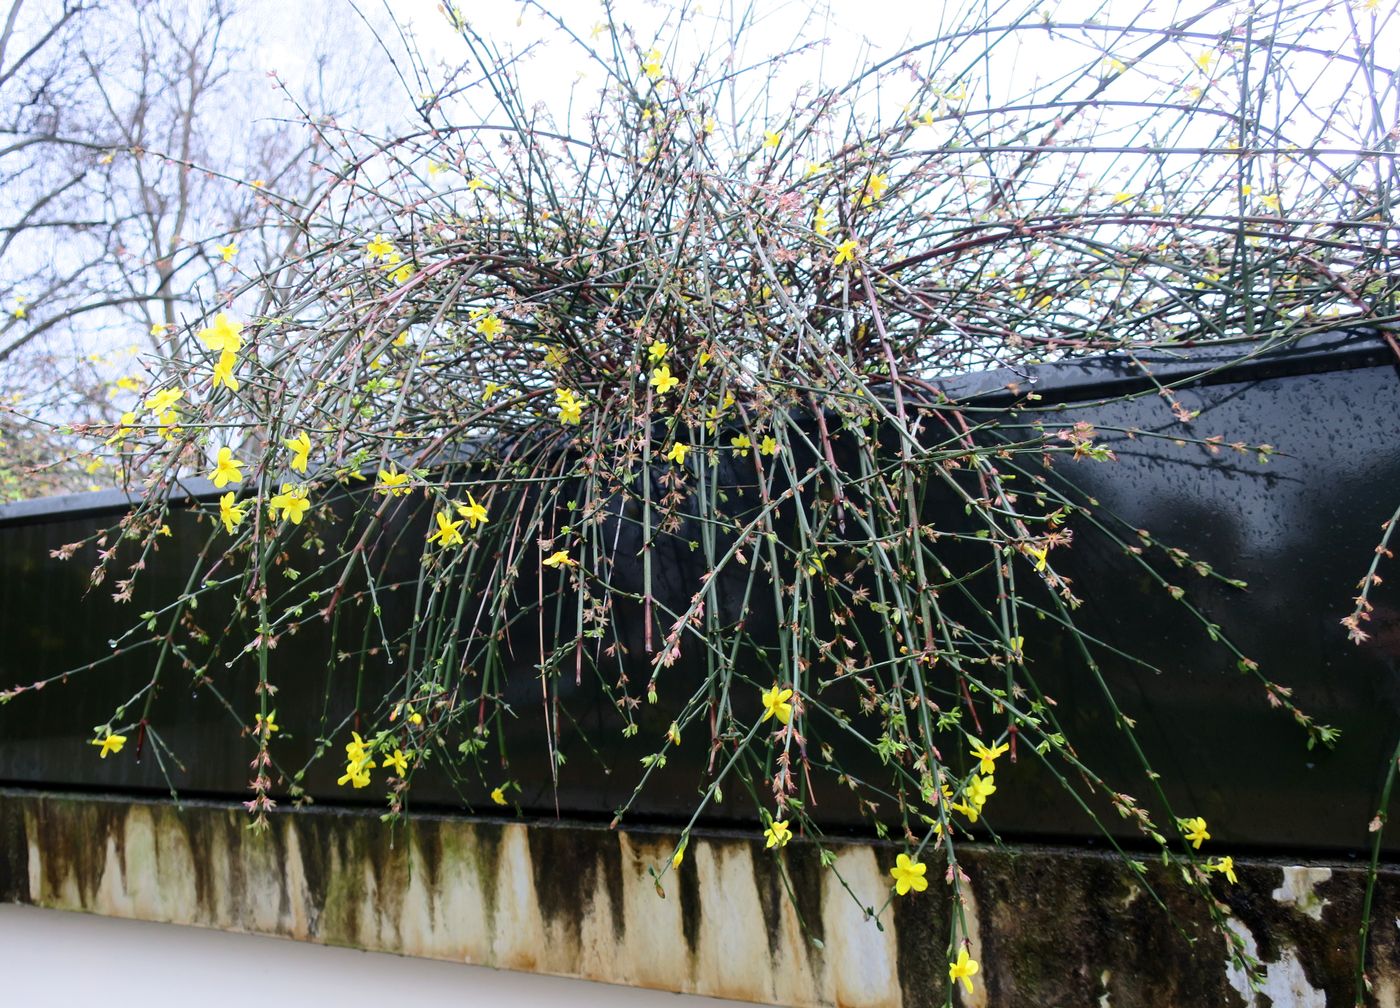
x=1300 y=531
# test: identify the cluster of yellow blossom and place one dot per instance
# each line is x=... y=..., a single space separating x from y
x=911 y=876
x=448 y=531
x=982 y=785
x=570 y=406
x=359 y=761
x=382 y=251
x=291 y=503
x=1194 y=829
x=224 y=337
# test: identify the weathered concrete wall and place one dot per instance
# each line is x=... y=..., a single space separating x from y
x=1052 y=927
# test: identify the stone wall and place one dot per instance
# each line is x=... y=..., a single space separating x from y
x=1051 y=926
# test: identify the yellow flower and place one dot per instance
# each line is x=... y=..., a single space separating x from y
x=401 y=273
x=355 y=750
x=268 y=725
x=356 y=774
x=228 y=251
x=778 y=834
x=300 y=447
x=820 y=224
x=490 y=326
x=490 y=390
x=1226 y=866
x=769 y=445
x=393 y=483
x=225 y=335
x=1038 y=554
x=292 y=502
x=358 y=762
x=908 y=875
x=474 y=513
x=964 y=969
x=704 y=357
x=570 y=406
x=229 y=513
x=124 y=425
x=663 y=380
x=227 y=469
x=1195 y=830
x=775 y=704
x=677 y=453
x=656 y=351
x=223 y=371
x=968 y=810
x=398 y=762
x=161 y=401
x=129 y=384
x=560 y=558
x=771 y=139
x=108 y=743
x=679 y=856
x=570 y=412
x=741 y=444
x=475 y=183
x=987 y=756
x=449 y=532
x=874 y=188
x=379 y=248
x=846 y=252
x=498 y=795
x=19 y=311
x=979 y=789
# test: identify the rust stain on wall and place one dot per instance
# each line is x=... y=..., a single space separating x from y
x=1050 y=926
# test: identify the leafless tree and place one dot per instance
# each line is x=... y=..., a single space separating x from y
x=146 y=158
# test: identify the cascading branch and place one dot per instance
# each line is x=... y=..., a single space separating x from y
x=649 y=396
